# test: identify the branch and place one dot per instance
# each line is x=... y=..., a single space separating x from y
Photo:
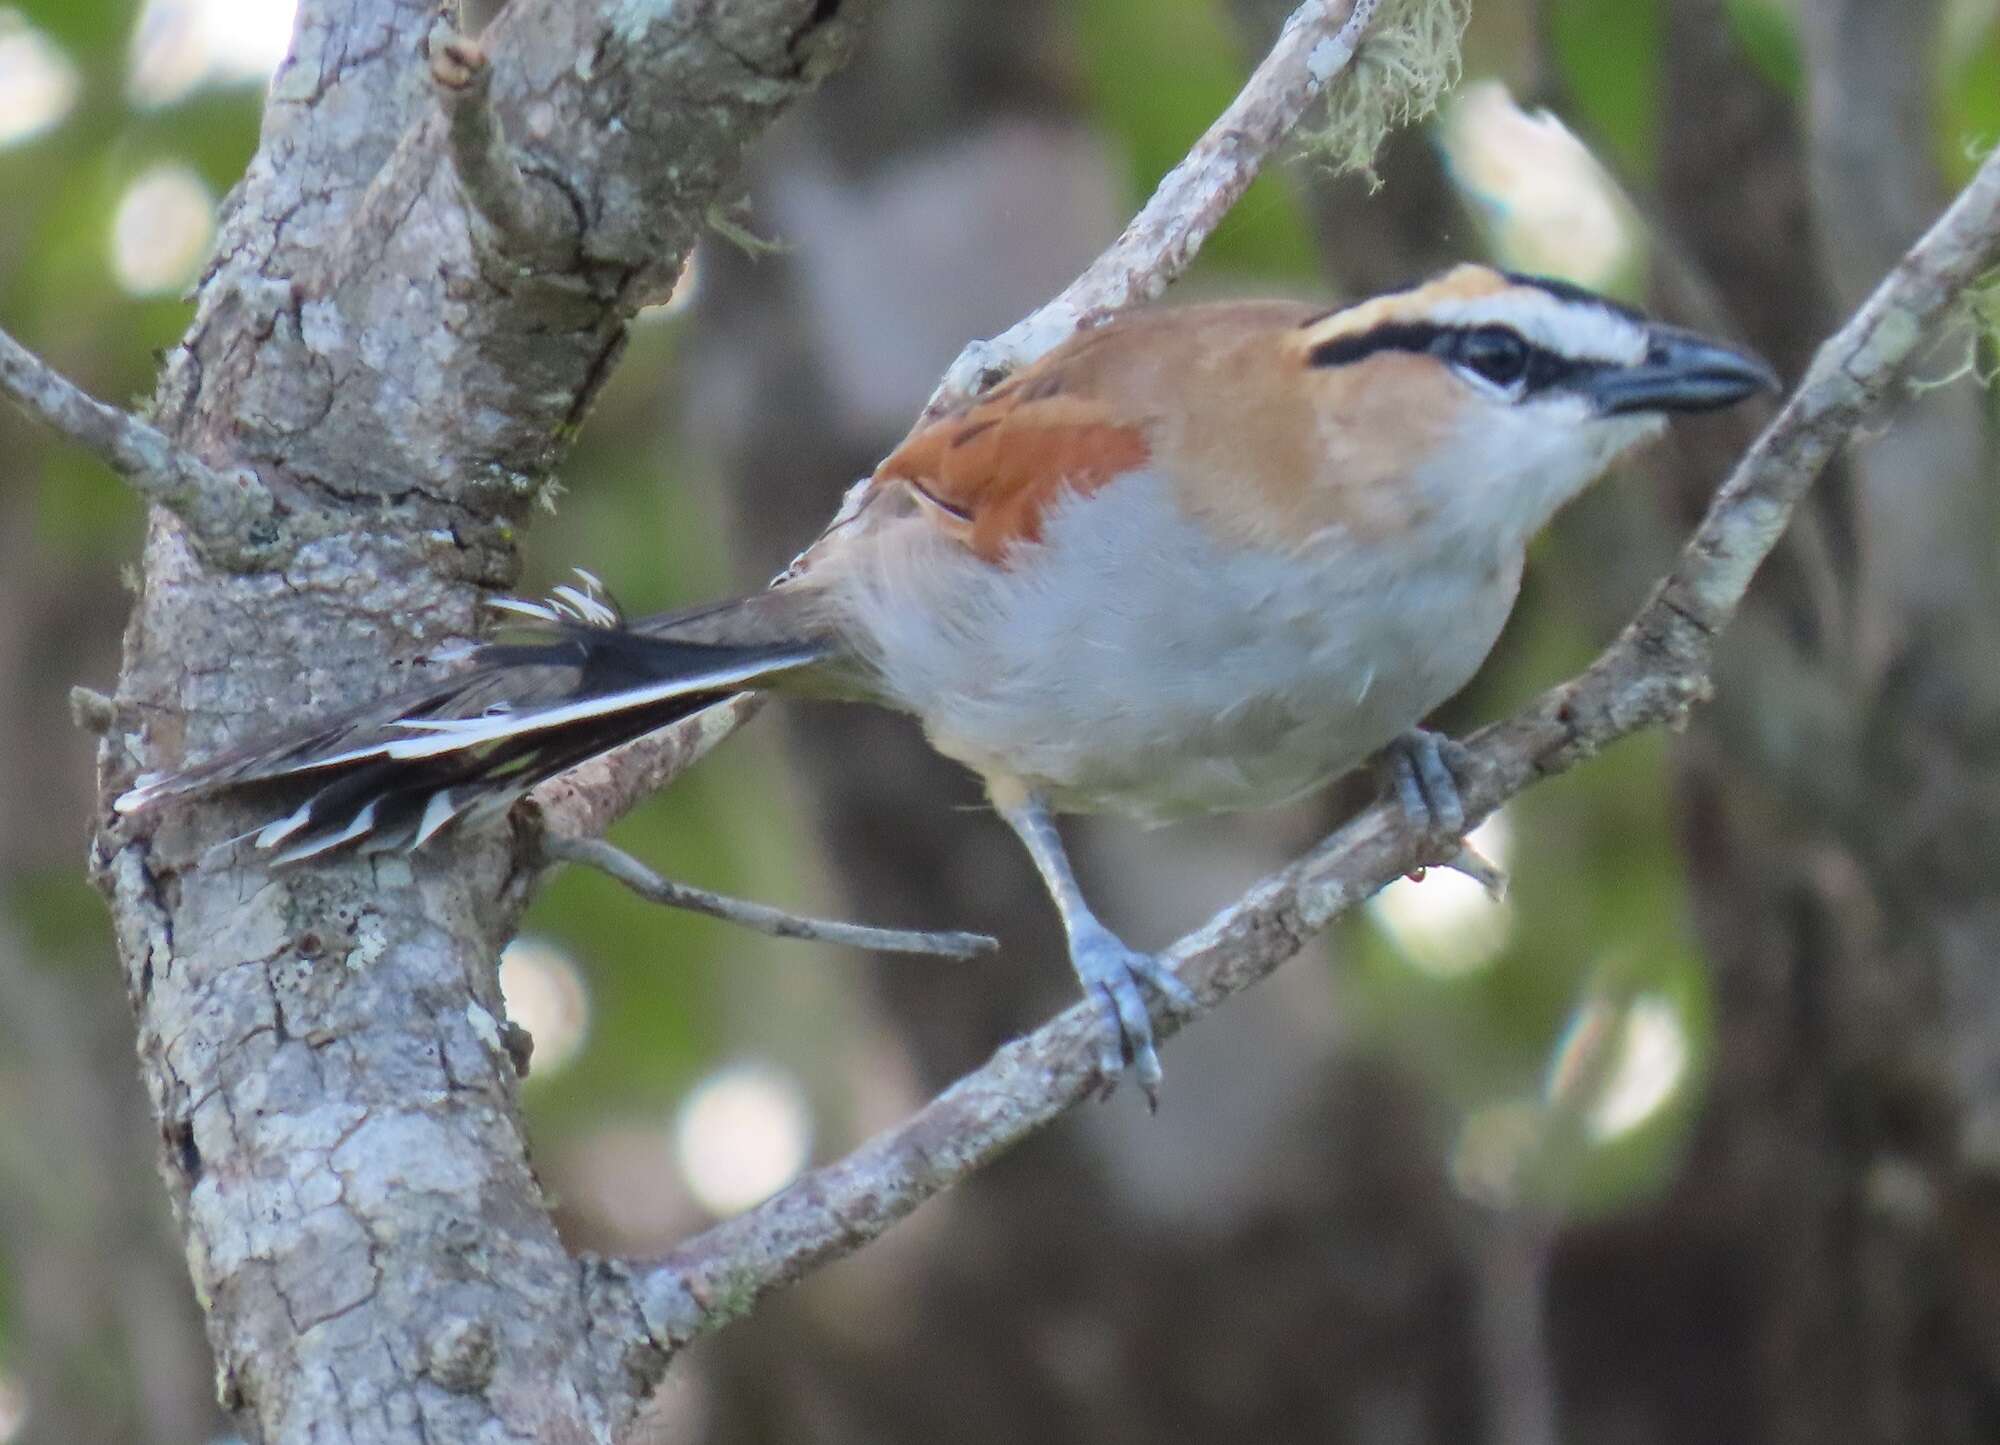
x=1655 y=670
x=536 y=226
x=1317 y=44
x=757 y=917
x=230 y=512
x=587 y=800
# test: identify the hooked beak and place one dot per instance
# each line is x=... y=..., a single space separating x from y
x=1681 y=372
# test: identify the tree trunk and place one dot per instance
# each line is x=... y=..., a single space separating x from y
x=402 y=325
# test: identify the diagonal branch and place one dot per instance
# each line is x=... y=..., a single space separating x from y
x=1319 y=41
x=225 y=509
x=1652 y=674
x=1316 y=47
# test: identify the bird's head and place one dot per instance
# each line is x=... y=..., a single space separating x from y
x=1502 y=396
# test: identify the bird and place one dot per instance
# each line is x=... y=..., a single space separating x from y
x=1199 y=558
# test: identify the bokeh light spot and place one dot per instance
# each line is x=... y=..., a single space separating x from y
x=13 y=1408
x=1618 y=1067
x=1652 y=1061
x=681 y=297
x=1494 y=1145
x=181 y=45
x=38 y=84
x=546 y=995
x=1552 y=207
x=742 y=1135
x=161 y=230
x=1447 y=925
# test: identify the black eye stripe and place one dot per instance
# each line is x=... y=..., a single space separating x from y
x=1545 y=368
x=1416 y=336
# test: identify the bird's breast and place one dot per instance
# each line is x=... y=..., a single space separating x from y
x=1131 y=661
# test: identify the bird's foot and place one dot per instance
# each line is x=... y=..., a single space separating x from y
x=1115 y=977
x=1423 y=769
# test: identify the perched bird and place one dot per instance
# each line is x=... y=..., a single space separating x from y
x=1196 y=559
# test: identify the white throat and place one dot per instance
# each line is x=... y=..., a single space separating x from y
x=1511 y=470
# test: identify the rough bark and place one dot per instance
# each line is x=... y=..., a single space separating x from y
x=400 y=324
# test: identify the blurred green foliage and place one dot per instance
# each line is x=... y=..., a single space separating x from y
x=1160 y=71
x=1970 y=125
x=1608 y=53
x=1769 y=36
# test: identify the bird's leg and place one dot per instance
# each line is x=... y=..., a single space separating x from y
x=1423 y=770
x=1110 y=971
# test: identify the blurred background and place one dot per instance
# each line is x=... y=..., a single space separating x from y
x=1697 y=1138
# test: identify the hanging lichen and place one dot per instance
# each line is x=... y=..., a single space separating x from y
x=1408 y=60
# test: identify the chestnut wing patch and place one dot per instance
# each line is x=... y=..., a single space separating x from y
x=989 y=472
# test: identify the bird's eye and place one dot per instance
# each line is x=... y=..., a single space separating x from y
x=1494 y=353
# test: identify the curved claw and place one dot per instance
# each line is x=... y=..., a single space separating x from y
x=1117 y=976
x=1110 y=1037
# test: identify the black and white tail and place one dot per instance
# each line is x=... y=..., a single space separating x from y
x=397 y=772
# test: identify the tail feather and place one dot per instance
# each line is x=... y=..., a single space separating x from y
x=396 y=773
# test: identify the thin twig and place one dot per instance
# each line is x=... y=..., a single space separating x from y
x=1654 y=671
x=92 y=711
x=530 y=225
x=1316 y=46
x=228 y=511
x=616 y=863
